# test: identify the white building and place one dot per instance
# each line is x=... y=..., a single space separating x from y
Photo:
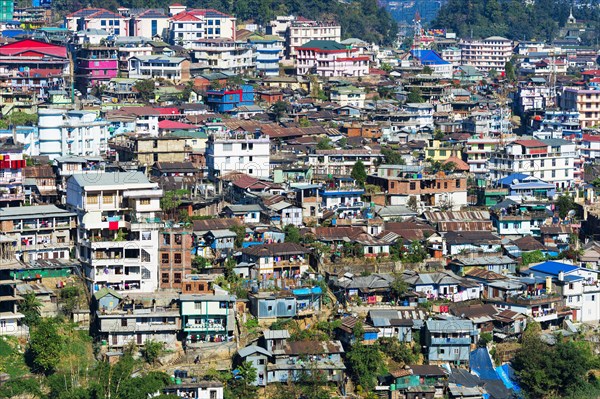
x=453 y=55
x=551 y=160
x=341 y=162
x=302 y=31
x=186 y=27
x=244 y=152
x=348 y=95
x=97 y=18
x=268 y=50
x=220 y=55
x=117 y=233
x=487 y=54
x=329 y=58
x=62 y=133
x=176 y=69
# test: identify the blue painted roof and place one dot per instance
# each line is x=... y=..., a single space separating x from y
x=532 y=185
x=428 y=57
x=508 y=180
x=553 y=268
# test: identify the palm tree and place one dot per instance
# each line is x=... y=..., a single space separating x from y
x=30 y=307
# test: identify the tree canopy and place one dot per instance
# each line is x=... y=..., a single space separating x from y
x=359 y=173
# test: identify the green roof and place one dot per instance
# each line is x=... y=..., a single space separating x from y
x=324 y=45
x=102 y=292
x=190 y=133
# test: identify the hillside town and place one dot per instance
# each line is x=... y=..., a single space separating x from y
x=229 y=209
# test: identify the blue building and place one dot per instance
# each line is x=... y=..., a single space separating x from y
x=449 y=341
x=268 y=50
x=226 y=99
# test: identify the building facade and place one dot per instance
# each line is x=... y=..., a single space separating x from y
x=488 y=54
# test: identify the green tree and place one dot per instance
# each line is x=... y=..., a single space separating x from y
x=398 y=351
x=509 y=72
x=146 y=89
x=398 y=287
x=528 y=258
x=45 y=347
x=365 y=363
x=169 y=203
x=30 y=307
x=242 y=386
x=565 y=203
x=359 y=173
x=427 y=70
x=240 y=235
x=292 y=234
x=152 y=351
x=280 y=108
x=392 y=157
x=415 y=96
x=69 y=297
x=324 y=143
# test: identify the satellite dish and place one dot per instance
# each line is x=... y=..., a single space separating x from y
x=571 y=213
x=515 y=181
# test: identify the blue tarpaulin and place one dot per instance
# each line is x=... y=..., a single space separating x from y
x=481 y=363
x=508 y=377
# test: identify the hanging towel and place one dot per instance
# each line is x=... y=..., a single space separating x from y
x=113 y=225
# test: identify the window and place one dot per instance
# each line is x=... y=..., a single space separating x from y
x=178 y=239
x=457 y=183
x=165 y=258
x=92 y=199
x=145 y=201
x=413 y=185
x=570 y=286
x=456 y=351
x=177 y=258
x=244 y=146
x=213 y=394
x=446 y=184
x=222 y=305
x=177 y=278
x=123 y=322
x=197 y=305
x=165 y=278
x=442 y=351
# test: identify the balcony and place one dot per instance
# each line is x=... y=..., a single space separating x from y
x=451 y=341
x=530 y=300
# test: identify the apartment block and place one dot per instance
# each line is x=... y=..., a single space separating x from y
x=96 y=65
x=329 y=58
x=302 y=31
x=176 y=69
x=97 y=18
x=62 y=133
x=222 y=55
x=551 y=160
x=244 y=152
x=117 y=234
x=584 y=101
x=175 y=254
x=207 y=318
x=187 y=27
x=11 y=173
x=341 y=162
x=39 y=232
x=488 y=54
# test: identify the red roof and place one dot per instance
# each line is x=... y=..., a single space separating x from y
x=592 y=72
x=33 y=48
x=185 y=16
x=377 y=71
x=591 y=138
x=170 y=125
x=530 y=143
x=176 y=5
x=169 y=111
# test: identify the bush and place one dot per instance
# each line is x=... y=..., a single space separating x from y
x=152 y=351
x=485 y=338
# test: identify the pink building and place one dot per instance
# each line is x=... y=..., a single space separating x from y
x=96 y=65
x=330 y=58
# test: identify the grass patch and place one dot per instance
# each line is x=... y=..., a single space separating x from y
x=79 y=353
x=12 y=361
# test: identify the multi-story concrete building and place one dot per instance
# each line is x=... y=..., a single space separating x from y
x=175 y=254
x=11 y=173
x=348 y=95
x=96 y=65
x=39 y=232
x=33 y=66
x=268 y=51
x=207 y=318
x=533 y=95
x=452 y=55
x=227 y=99
x=244 y=152
x=176 y=69
x=585 y=101
x=187 y=27
x=551 y=160
x=488 y=54
x=117 y=234
x=479 y=150
x=97 y=18
x=329 y=58
x=341 y=162
x=433 y=191
x=222 y=55
x=151 y=22
x=302 y=31
x=149 y=150
x=62 y=133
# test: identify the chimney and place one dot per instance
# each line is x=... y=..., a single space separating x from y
x=561 y=276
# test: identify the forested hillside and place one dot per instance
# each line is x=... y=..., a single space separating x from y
x=511 y=18
x=362 y=18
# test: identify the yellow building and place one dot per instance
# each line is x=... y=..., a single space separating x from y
x=441 y=151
